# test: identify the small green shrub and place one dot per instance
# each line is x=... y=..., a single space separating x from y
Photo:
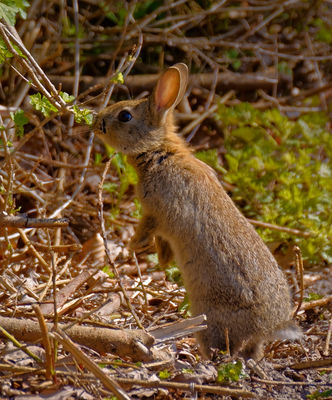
x=231 y=372
x=282 y=173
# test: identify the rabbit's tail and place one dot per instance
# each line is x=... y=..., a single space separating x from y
x=287 y=330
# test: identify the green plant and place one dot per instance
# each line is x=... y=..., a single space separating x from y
x=125 y=172
x=164 y=374
x=282 y=172
x=231 y=372
x=312 y=297
x=40 y=103
x=20 y=120
x=10 y=8
x=318 y=394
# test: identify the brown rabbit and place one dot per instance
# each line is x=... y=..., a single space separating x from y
x=229 y=273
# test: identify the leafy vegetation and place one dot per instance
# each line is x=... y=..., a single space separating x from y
x=20 y=120
x=42 y=104
x=282 y=172
x=10 y=8
x=319 y=394
x=231 y=372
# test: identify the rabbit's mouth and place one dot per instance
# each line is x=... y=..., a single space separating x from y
x=99 y=127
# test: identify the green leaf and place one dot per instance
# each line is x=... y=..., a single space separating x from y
x=247 y=133
x=173 y=274
x=319 y=394
x=83 y=115
x=4 y=52
x=313 y=296
x=164 y=374
x=118 y=78
x=9 y=9
x=67 y=97
x=42 y=104
x=20 y=120
x=184 y=307
x=8 y=13
x=108 y=271
x=231 y=372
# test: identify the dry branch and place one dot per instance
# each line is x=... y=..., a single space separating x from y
x=107 y=381
x=138 y=83
x=219 y=390
x=316 y=303
x=123 y=342
x=23 y=221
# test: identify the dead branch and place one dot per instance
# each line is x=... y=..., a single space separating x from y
x=107 y=381
x=139 y=83
x=299 y=274
x=23 y=221
x=266 y=225
x=223 y=391
x=316 y=303
x=323 y=362
x=123 y=342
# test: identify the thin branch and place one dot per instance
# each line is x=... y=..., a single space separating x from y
x=291 y=231
x=106 y=380
x=108 y=254
x=23 y=221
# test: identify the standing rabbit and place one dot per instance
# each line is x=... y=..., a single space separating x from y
x=228 y=272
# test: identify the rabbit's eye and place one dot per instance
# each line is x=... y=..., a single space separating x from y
x=124 y=116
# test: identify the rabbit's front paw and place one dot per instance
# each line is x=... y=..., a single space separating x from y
x=144 y=234
x=139 y=243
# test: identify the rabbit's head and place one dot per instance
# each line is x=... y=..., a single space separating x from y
x=135 y=126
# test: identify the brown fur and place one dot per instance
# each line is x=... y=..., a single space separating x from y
x=228 y=272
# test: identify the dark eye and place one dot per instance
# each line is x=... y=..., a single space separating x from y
x=124 y=116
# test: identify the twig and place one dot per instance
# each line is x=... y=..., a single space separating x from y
x=23 y=221
x=316 y=303
x=77 y=65
x=136 y=83
x=223 y=391
x=286 y=383
x=291 y=231
x=205 y=115
x=20 y=346
x=312 y=363
x=33 y=250
x=140 y=279
x=5 y=33
x=103 y=233
x=219 y=390
x=328 y=339
x=228 y=351
x=107 y=381
x=49 y=360
x=133 y=343
x=81 y=180
x=6 y=30
x=299 y=274
x=127 y=64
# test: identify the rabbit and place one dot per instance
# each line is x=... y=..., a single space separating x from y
x=228 y=272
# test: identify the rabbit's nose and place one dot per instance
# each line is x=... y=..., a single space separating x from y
x=100 y=125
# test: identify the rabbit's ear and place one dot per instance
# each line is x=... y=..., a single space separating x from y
x=170 y=87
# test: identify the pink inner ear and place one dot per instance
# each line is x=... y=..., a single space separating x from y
x=167 y=89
